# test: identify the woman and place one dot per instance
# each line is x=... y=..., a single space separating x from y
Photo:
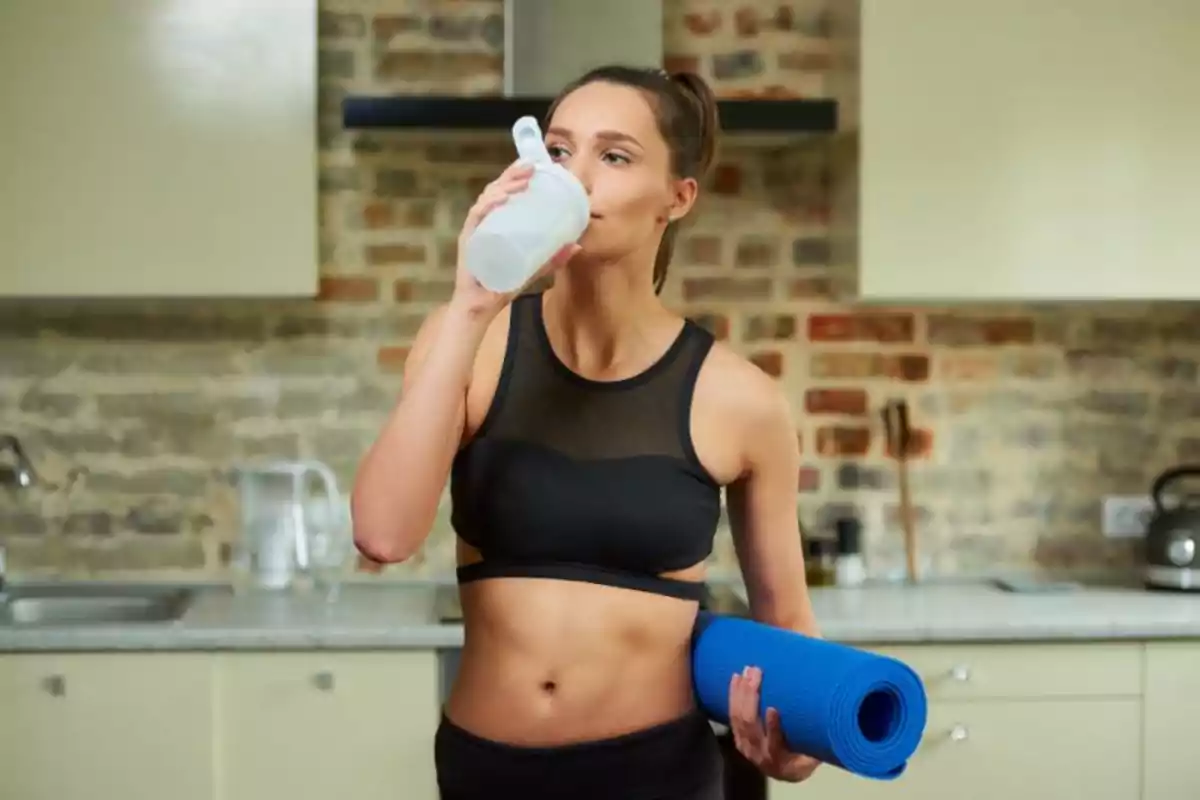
x=587 y=433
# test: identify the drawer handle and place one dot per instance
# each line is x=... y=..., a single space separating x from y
x=960 y=673
x=959 y=733
x=323 y=681
x=55 y=685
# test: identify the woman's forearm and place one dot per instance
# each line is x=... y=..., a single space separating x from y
x=795 y=616
x=402 y=477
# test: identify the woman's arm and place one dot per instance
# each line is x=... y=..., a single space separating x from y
x=762 y=513
x=401 y=478
x=766 y=535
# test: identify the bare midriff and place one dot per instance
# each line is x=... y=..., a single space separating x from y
x=549 y=662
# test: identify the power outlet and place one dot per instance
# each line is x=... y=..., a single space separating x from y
x=1126 y=516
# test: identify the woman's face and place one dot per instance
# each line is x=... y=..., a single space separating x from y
x=607 y=136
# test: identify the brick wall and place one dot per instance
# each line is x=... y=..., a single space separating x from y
x=1027 y=416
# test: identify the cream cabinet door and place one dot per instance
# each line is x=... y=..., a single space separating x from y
x=158 y=149
x=1018 y=150
x=105 y=727
x=322 y=725
x=1172 y=768
x=1001 y=750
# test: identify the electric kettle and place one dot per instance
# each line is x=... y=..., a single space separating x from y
x=1171 y=549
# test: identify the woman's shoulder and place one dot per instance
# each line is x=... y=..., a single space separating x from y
x=733 y=386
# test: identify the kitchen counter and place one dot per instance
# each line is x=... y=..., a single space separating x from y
x=389 y=616
x=415 y=616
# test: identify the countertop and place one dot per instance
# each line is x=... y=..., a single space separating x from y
x=409 y=616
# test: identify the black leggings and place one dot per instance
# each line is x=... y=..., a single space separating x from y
x=678 y=760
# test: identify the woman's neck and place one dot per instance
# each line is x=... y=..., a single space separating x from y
x=600 y=315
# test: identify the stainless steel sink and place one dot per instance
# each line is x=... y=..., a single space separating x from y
x=92 y=604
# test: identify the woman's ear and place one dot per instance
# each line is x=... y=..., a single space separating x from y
x=683 y=197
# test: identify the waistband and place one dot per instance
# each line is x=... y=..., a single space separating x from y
x=662 y=761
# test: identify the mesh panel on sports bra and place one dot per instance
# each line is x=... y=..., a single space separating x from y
x=545 y=403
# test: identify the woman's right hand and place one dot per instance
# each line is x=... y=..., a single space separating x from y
x=469 y=294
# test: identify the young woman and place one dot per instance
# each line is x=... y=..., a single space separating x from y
x=587 y=433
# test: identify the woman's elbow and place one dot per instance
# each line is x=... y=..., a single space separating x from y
x=385 y=531
x=381 y=540
x=383 y=547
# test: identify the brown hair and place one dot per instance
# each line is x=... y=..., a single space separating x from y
x=686 y=110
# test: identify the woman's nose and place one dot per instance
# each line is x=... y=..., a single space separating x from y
x=579 y=168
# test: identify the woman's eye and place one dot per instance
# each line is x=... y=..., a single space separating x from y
x=557 y=151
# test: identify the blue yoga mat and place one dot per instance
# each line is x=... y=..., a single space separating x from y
x=859 y=711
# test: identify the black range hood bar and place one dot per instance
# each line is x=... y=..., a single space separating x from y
x=438 y=112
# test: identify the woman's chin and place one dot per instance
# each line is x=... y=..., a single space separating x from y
x=581 y=258
x=590 y=251
x=594 y=243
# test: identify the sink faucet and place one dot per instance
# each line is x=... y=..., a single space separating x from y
x=19 y=474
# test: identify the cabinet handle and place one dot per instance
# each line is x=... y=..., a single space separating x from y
x=55 y=685
x=323 y=681
x=960 y=673
x=959 y=733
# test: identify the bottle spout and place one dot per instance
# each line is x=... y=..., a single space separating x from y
x=527 y=136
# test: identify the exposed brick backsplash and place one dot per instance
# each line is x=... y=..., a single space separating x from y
x=1024 y=416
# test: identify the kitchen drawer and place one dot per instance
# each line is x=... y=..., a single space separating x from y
x=998 y=671
x=1065 y=748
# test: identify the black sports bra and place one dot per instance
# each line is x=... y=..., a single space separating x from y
x=586 y=480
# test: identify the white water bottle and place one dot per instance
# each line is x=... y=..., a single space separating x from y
x=518 y=237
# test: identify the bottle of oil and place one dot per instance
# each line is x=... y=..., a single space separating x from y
x=819 y=562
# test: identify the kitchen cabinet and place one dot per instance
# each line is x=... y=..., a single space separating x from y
x=218 y=726
x=158 y=149
x=1172 y=770
x=1032 y=749
x=1040 y=722
x=1027 y=151
x=100 y=726
x=316 y=725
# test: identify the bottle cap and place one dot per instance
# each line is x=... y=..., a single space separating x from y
x=527 y=136
x=818 y=546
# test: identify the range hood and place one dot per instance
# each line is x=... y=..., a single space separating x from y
x=549 y=42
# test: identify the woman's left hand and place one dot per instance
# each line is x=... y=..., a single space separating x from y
x=761 y=742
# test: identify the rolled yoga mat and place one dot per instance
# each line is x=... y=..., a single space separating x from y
x=859 y=711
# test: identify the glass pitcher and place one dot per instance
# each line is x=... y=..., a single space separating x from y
x=287 y=529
